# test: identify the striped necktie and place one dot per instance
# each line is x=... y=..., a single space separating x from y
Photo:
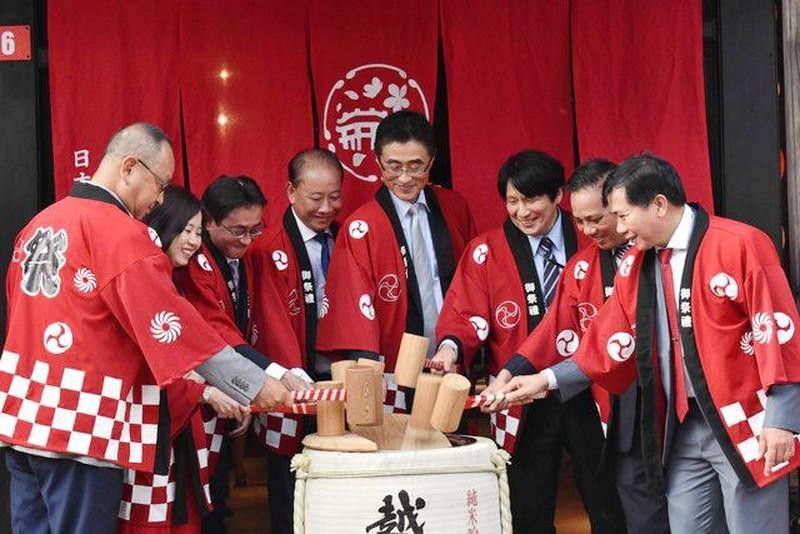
x=234 y=264
x=551 y=270
x=620 y=251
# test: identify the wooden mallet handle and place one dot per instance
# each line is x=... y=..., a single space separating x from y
x=424 y=400
x=338 y=369
x=330 y=414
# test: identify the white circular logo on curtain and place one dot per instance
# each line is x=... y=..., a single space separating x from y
x=84 y=280
x=165 y=327
x=480 y=253
x=481 y=326
x=366 y=307
x=620 y=346
x=281 y=260
x=567 y=342
x=357 y=103
x=724 y=286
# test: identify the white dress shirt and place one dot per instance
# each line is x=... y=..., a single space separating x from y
x=314 y=251
x=402 y=207
x=556 y=235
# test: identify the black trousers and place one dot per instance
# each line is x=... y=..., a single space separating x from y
x=550 y=426
x=220 y=489
x=280 y=494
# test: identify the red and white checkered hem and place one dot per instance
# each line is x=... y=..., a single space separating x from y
x=59 y=409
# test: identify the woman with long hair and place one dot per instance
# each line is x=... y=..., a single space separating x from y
x=175 y=501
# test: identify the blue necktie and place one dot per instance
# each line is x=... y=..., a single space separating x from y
x=322 y=239
x=551 y=270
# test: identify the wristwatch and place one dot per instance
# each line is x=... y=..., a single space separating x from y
x=206 y=396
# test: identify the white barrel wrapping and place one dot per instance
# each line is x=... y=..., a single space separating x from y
x=460 y=489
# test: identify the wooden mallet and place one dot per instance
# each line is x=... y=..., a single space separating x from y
x=453 y=392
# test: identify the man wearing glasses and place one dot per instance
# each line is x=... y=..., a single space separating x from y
x=219 y=282
x=95 y=328
x=504 y=284
x=396 y=255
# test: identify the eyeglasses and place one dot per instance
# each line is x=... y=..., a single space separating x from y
x=240 y=232
x=414 y=169
x=162 y=186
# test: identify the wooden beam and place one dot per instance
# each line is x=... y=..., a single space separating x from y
x=791 y=96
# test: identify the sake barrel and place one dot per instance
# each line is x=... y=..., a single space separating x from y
x=460 y=489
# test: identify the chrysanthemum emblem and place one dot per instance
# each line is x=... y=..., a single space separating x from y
x=84 y=280
x=746 y=343
x=762 y=327
x=165 y=327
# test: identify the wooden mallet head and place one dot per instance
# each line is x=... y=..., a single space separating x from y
x=450 y=401
x=410 y=360
x=364 y=387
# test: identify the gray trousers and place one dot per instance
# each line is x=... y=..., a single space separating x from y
x=705 y=495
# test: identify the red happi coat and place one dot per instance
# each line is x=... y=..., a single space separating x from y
x=285 y=314
x=495 y=299
x=95 y=326
x=371 y=287
x=738 y=321
x=206 y=285
x=585 y=283
x=148 y=500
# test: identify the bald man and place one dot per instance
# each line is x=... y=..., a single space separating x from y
x=95 y=328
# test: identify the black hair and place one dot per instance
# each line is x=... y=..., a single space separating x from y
x=591 y=173
x=402 y=127
x=532 y=173
x=228 y=193
x=310 y=156
x=643 y=177
x=170 y=217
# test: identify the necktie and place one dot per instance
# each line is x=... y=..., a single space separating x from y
x=551 y=270
x=422 y=268
x=681 y=400
x=234 y=265
x=620 y=251
x=322 y=239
